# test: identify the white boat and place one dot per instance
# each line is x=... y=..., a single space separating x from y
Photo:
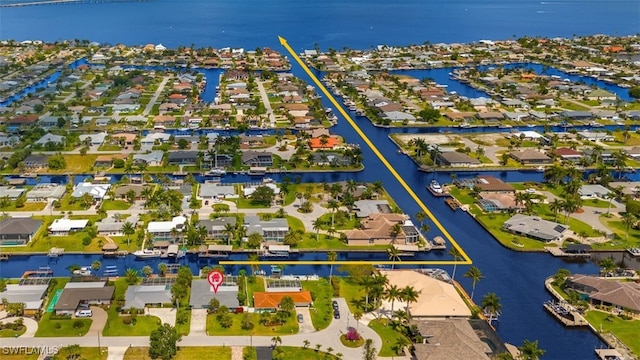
x=83 y=271
x=147 y=254
x=435 y=187
x=540 y=168
x=217 y=172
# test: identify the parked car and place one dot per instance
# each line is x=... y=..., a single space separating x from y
x=336 y=314
x=84 y=313
x=300 y=318
x=334 y=304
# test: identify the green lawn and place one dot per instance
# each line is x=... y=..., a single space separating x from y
x=350 y=291
x=115 y=326
x=296 y=353
x=326 y=242
x=85 y=353
x=71 y=242
x=295 y=223
x=115 y=205
x=28 y=206
x=341 y=221
x=619 y=242
x=8 y=333
x=249 y=353
x=321 y=313
x=626 y=330
x=388 y=335
x=67 y=203
x=214 y=328
x=254 y=284
x=77 y=164
x=53 y=326
x=203 y=352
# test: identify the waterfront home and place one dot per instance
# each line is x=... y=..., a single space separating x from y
x=168 y=107
x=202 y=293
x=535 y=227
x=623 y=296
x=270 y=301
x=29 y=292
x=182 y=158
x=87 y=293
x=364 y=208
x=164 y=120
x=147 y=295
x=460 y=116
x=18 y=230
x=46 y=192
x=49 y=121
x=491 y=184
x=164 y=230
x=123 y=138
x=63 y=227
x=450 y=339
x=530 y=157
x=107 y=160
x=317 y=143
x=594 y=191
x=156 y=137
x=376 y=230
x=8 y=140
x=248 y=190
x=595 y=136
x=21 y=121
x=11 y=192
x=490 y=116
x=600 y=94
x=576 y=115
x=97 y=191
x=122 y=192
x=330 y=158
x=437 y=299
x=113 y=227
x=216 y=228
x=455 y=159
x=567 y=154
x=215 y=191
x=257 y=158
x=152 y=158
x=271 y=230
x=398 y=116
x=35 y=161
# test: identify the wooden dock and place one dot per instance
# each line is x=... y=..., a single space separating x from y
x=558 y=252
x=452 y=203
x=607 y=354
x=576 y=318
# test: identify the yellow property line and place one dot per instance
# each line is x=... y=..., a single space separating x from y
x=466 y=260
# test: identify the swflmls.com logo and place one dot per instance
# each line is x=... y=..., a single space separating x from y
x=30 y=350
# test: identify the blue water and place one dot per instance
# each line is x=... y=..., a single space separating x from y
x=329 y=23
x=516 y=277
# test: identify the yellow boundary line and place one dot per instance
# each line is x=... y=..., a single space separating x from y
x=466 y=260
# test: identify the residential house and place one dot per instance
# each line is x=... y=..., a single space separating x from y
x=30 y=294
x=122 y=191
x=270 y=301
x=595 y=136
x=35 y=161
x=621 y=295
x=45 y=192
x=257 y=158
x=95 y=139
x=147 y=295
x=107 y=160
x=152 y=158
x=63 y=227
x=8 y=140
x=455 y=159
x=18 y=230
x=594 y=191
x=202 y=293
x=535 y=227
x=271 y=230
x=164 y=120
x=568 y=154
x=49 y=138
x=329 y=144
x=364 y=208
x=376 y=230
x=124 y=138
x=530 y=156
x=155 y=137
x=178 y=99
x=97 y=191
x=451 y=339
x=112 y=227
x=216 y=227
x=576 y=115
x=215 y=191
x=21 y=121
x=182 y=157
x=330 y=158
x=89 y=293
x=11 y=192
x=165 y=230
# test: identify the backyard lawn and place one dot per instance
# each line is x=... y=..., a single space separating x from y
x=626 y=330
x=202 y=352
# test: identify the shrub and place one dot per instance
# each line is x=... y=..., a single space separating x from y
x=353 y=335
x=225 y=320
x=335 y=285
x=78 y=324
x=126 y=320
x=58 y=326
x=86 y=241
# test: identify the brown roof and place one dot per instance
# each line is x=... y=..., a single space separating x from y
x=564 y=151
x=272 y=300
x=621 y=294
x=377 y=226
x=71 y=297
x=128 y=137
x=295 y=106
x=24 y=119
x=459 y=115
x=490 y=183
x=450 y=339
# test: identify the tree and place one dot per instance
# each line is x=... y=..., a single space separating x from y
x=56 y=162
x=453 y=251
x=276 y=340
x=634 y=92
x=410 y=294
x=263 y=195
x=287 y=304
x=394 y=254
x=255 y=240
x=530 y=350
x=395 y=231
x=147 y=271
x=128 y=229
x=628 y=220
x=475 y=275
x=392 y=293
x=333 y=205
x=368 y=350
x=317 y=224
x=163 y=342
x=132 y=276
x=491 y=305
x=183 y=143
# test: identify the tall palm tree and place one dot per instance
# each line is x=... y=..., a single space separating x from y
x=410 y=294
x=317 y=224
x=475 y=275
x=555 y=206
x=455 y=252
x=331 y=256
x=628 y=219
x=530 y=350
x=229 y=230
x=128 y=229
x=392 y=293
x=395 y=231
x=491 y=305
x=394 y=255
x=333 y=205
x=420 y=216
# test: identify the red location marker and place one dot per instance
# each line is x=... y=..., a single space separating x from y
x=215 y=278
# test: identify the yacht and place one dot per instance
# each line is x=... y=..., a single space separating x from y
x=435 y=187
x=217 y=172
x=147 y=254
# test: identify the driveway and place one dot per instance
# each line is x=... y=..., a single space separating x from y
x=116 y=352
x=166 y=315
x=99 y=318
x=198 y=322
x=306 y=326
x=32 y=325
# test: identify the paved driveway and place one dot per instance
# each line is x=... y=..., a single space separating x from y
x=306 y=326
x=32 y=325
x=99 y=318
x=166 y=315
x=116 y=352
x=198 y=322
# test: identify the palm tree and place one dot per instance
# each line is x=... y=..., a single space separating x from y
x=229 y=230
x=333 y=205
x=395 y=231
x=491 y=305
x=409 y=294
x=475 y=275
x=555 y=206
x=530 y=351
x=453 y=251
x=331 y=256
x=317 y=224
x=628 y=219
x=394 y=255
x=420 y=216
x=128 y=229
x=401 y=343
x=392 y=293
x=276 y=340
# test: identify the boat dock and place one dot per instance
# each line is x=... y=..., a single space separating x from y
x=214 y=251
x=452 y=203
x=438 y=243
x=55 y=252
x=4 y=256
x=608 y=354
x=635 y=252
x=565 y=313
x=559 y=252
x=278 y=251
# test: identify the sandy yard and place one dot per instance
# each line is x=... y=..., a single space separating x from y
x=489 y=139
x=430 y=138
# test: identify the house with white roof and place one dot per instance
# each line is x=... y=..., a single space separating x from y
x=62 y=227
x=162 y=230
x=97 y=191
x=50 y=138
x=93 y=139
